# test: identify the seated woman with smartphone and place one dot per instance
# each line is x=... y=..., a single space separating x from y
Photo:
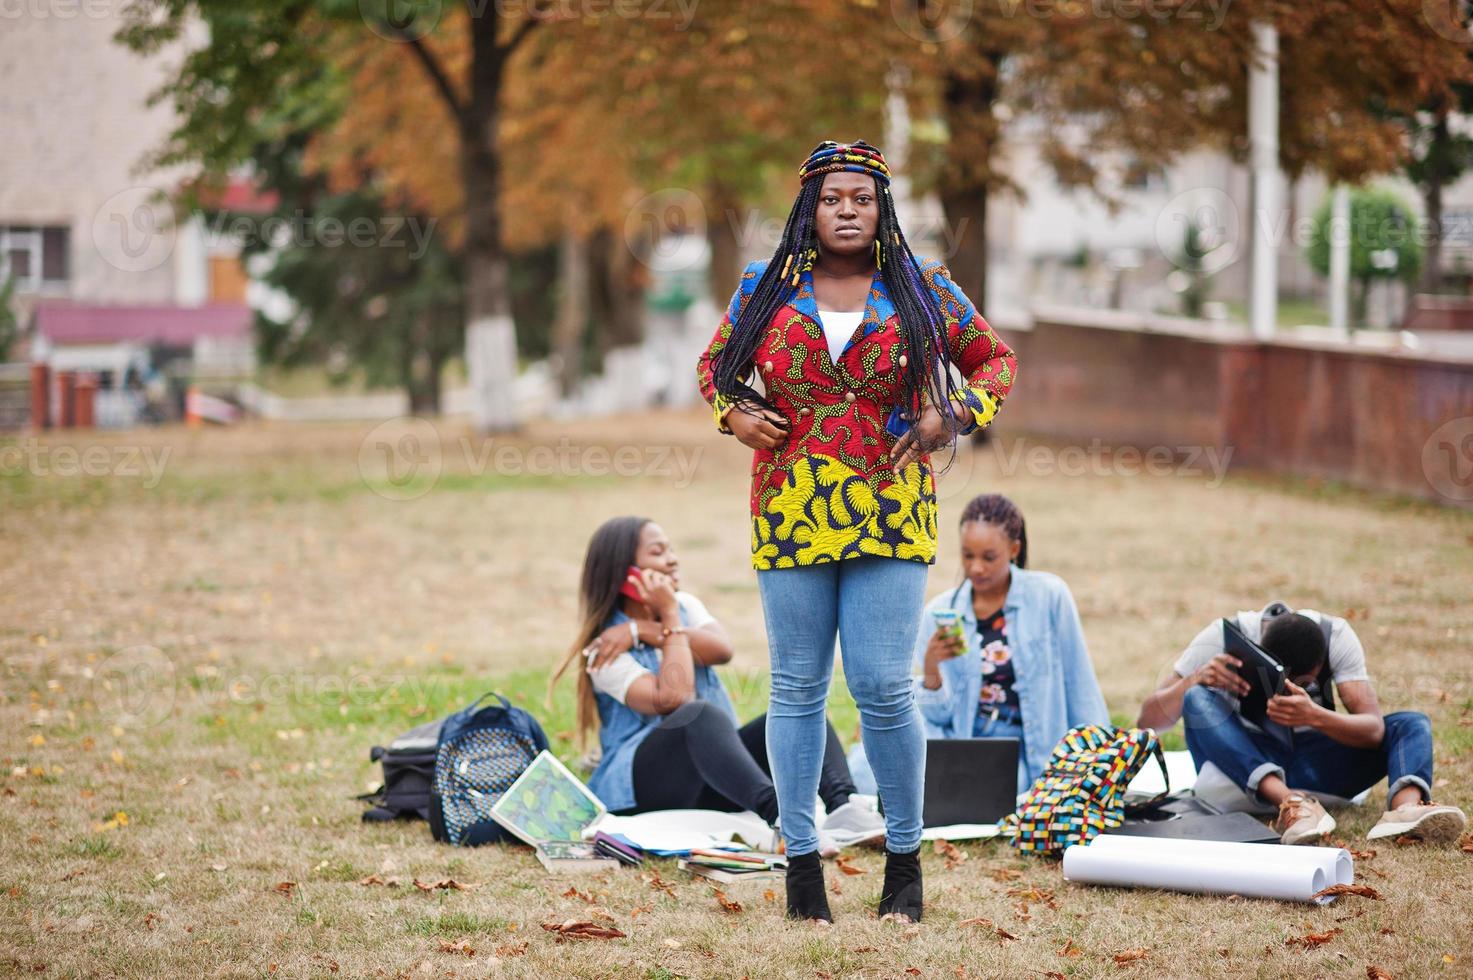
x=668 y=733
x=1002 y=655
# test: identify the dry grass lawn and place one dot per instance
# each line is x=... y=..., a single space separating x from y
x=195 y=667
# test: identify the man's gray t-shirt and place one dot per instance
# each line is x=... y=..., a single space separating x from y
x=1347 y=656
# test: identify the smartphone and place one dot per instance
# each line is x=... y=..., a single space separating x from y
x=949 y=623
x=627 y=589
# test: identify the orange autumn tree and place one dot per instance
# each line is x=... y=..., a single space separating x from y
x=599 y=113
x=1151 y=82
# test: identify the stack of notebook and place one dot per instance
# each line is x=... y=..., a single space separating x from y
x=735 y=866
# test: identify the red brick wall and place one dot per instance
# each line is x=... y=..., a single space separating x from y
x=1381 y=420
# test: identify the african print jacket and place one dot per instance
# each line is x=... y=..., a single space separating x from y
x=828 y=492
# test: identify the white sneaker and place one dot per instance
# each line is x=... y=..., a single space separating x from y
x=1302 y=820
x=1428 y=821
x=853 y=823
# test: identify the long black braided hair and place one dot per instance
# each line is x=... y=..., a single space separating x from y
x=927 y=374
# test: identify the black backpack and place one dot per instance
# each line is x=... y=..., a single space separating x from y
x=409 y=775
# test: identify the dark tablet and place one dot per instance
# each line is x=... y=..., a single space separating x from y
x=1264 y=674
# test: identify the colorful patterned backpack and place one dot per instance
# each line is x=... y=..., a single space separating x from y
x=482 y=750
x=1082 y=791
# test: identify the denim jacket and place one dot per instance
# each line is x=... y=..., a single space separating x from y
x=1055 y=679
x=622 y=729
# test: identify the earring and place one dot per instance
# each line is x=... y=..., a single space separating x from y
x=877 y=253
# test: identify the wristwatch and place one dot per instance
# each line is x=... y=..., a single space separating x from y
x=666 y=632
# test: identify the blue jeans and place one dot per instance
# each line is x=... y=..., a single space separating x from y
x=874 y=606
x=1216 y=733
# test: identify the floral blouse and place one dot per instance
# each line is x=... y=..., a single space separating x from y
x=828 y=492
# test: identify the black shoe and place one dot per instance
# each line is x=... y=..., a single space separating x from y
x=806 y=897
x=901 y=894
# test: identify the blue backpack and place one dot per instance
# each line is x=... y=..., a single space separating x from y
x=481 y=752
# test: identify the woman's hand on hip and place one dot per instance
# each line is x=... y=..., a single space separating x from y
x=932 y=432
x=757 y=427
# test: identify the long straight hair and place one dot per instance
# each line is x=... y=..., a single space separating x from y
x=927 y=374
x=611 y=551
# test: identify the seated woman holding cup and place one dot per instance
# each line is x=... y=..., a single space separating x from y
x=1002 y=655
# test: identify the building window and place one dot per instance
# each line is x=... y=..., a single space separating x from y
x=35 y=256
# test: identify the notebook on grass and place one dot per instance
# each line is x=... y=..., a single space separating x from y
x=547 y=803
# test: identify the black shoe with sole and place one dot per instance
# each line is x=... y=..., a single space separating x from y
x=806 y=896
x=901 y=894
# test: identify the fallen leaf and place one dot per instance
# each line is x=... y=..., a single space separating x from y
x=726 y=904
x=769 y=896
x=284 y=888
x=1130 y=956
x=658 y=884
x=1314 y=939
x=389 y=882
x=913 y=971
x=462 y=948
x=573 y=892
x=582 y=929
x=1362 y=855
x=1069 y=949
x=449 y=884
x=865 y=949
x=1004 y=874
x=1363 y=891
x=150 y=921
x=835 y=887
x=1376 y=973
x=72 y=874
x=842 y=862
x=1465 y=843
x=1002 y=934
x=511 y=949
x=1043 y=896
x=1387 y=931
x=639 y=910
x=954 y=855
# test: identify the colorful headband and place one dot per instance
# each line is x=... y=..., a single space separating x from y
x=829 y=157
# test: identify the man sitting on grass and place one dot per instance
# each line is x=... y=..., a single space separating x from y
x=1328 y=752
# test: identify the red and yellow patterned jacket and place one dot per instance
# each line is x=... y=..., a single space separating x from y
x=828 y=492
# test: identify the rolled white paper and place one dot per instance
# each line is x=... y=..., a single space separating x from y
x=1275 y=871
x=1338 y=865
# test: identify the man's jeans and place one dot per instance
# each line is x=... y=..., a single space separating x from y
x=874 y=605
x=1216 y=733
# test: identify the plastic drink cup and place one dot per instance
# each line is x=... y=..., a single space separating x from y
x=949 y=623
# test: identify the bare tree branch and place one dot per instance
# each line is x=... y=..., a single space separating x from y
x=432 y=67
x=520 y=34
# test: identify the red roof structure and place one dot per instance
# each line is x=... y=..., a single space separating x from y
x=74 y=323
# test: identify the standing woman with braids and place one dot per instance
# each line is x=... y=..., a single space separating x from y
x=858 y=345
x=1021 y=669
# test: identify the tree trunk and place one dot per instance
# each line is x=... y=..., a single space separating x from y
x=617 y=292
x=968 y=102
x=966 y=214
x=725 y=270
x=572 y=310
x=1360 y=297
x=1436 y=176
x=490 y=335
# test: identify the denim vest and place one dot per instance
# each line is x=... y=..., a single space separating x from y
x=1055 y=679
x=622 y=729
